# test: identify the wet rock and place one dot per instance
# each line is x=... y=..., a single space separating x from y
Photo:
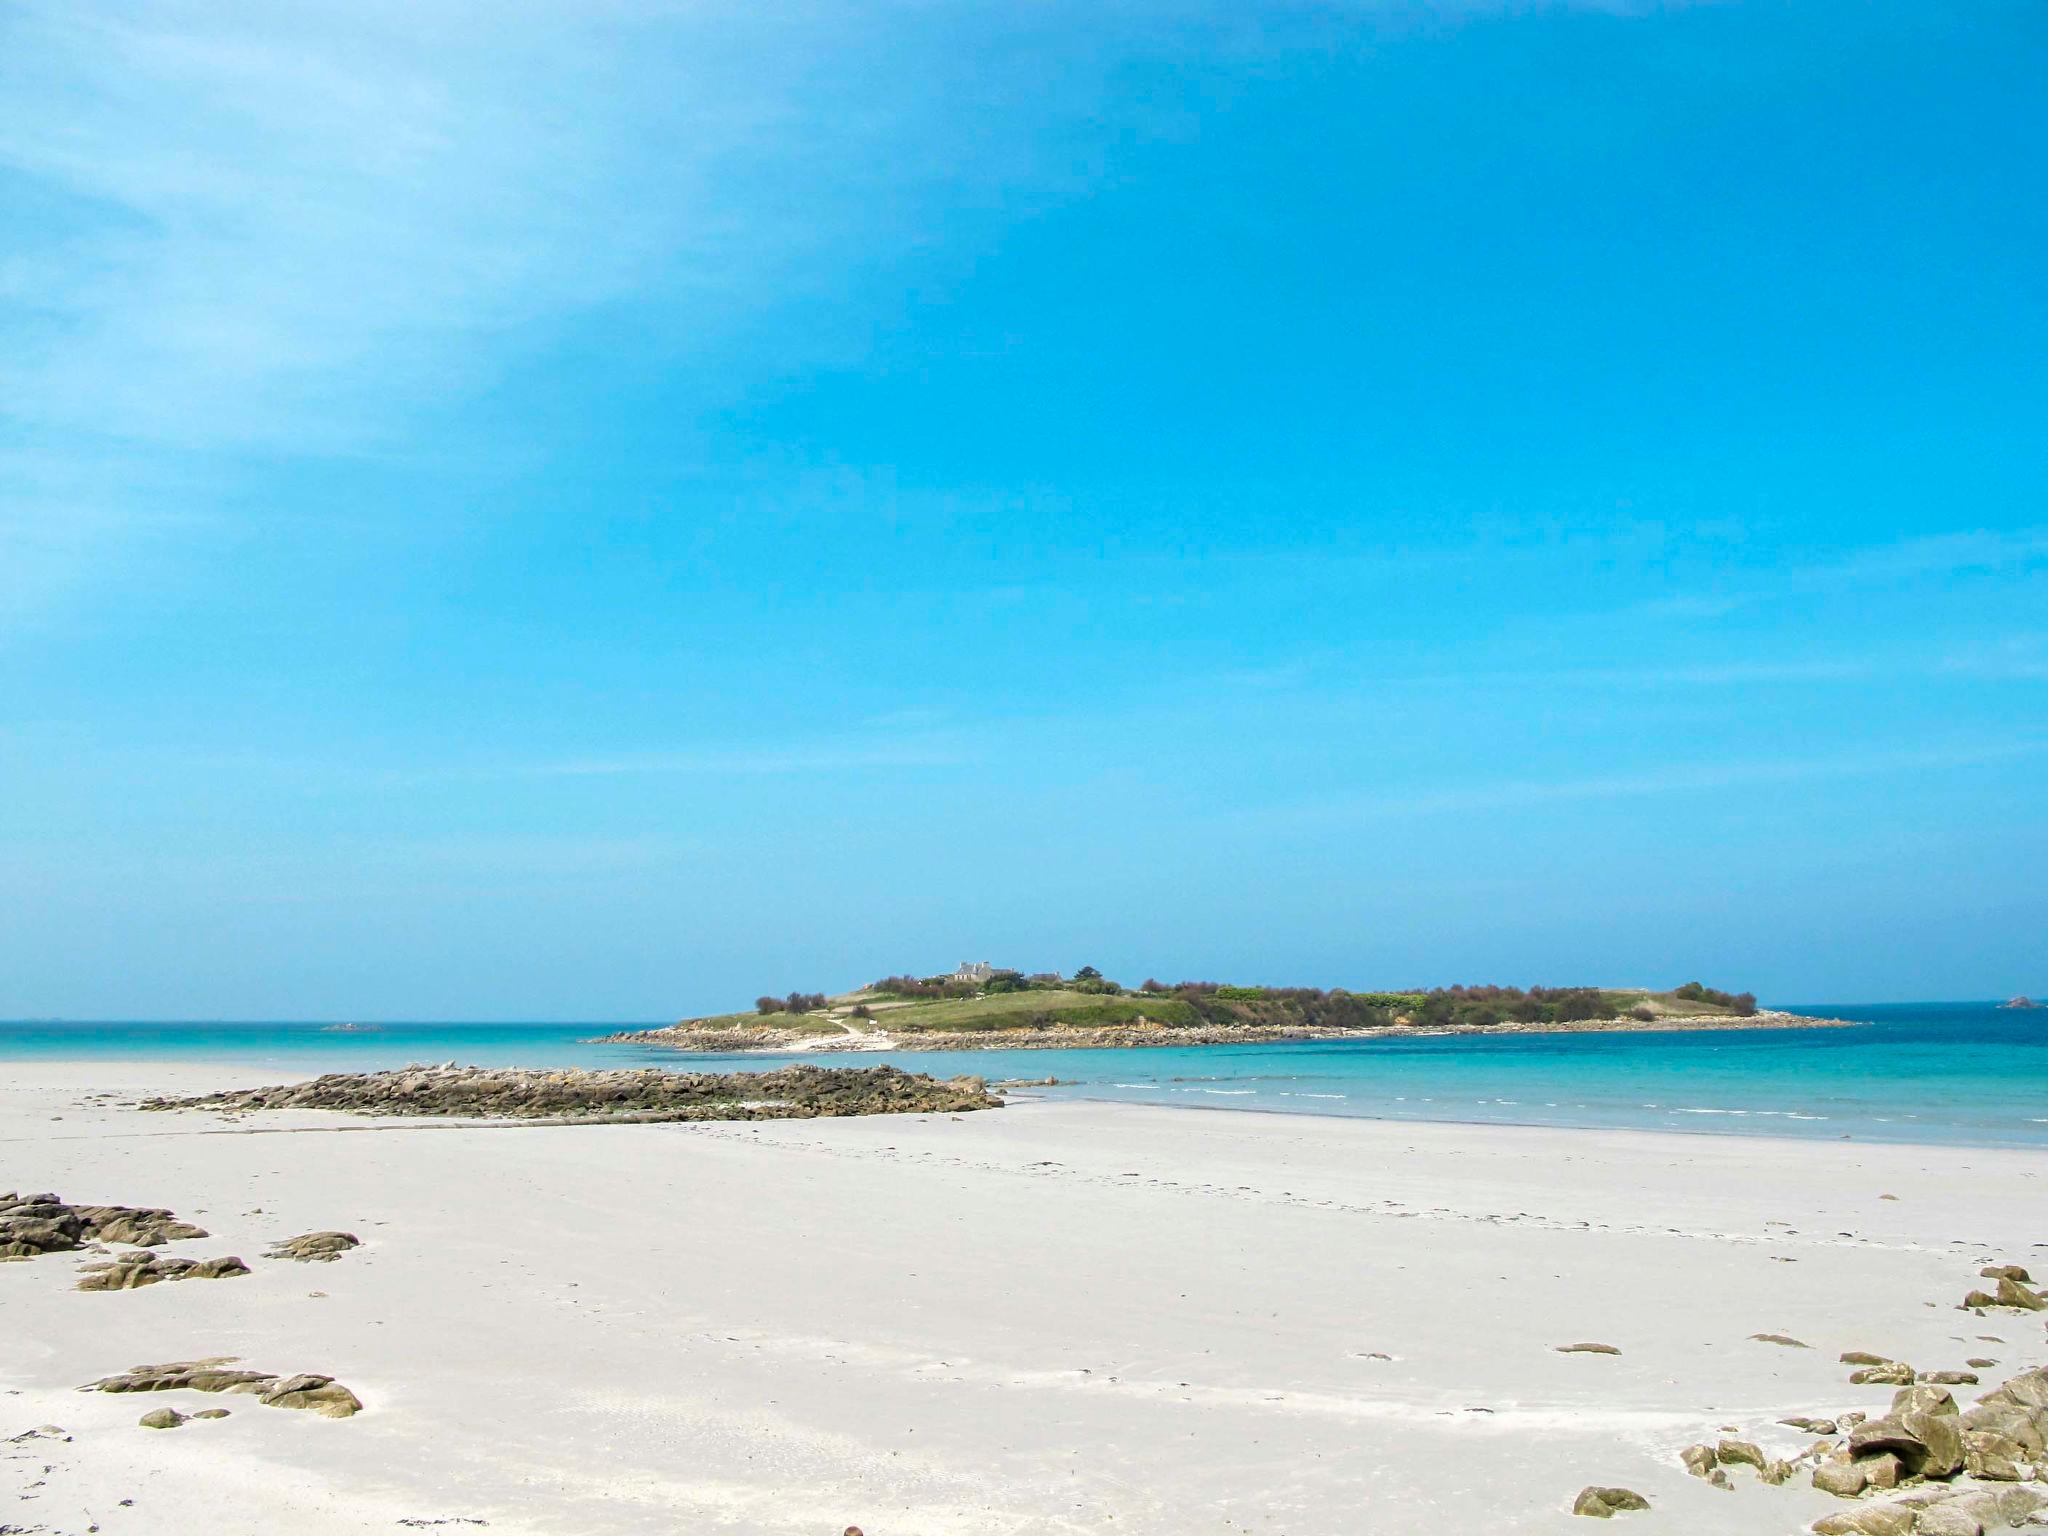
x=1602 y=1503
x=630 y=1095
x=161 y=1418
x=315 y=1247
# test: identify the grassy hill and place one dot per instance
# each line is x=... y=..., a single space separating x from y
x=1009 y=1005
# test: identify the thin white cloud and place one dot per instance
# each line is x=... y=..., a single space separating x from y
x=819 y=757
x=1681 y=778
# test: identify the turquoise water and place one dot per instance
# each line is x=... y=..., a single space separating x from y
x=1937 y=1072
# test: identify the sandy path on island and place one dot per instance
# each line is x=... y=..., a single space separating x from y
x=1051 y=1318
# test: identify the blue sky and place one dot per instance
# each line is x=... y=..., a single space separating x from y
x=598 y=509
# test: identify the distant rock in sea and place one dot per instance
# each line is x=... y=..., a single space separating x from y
x=2022 y=1001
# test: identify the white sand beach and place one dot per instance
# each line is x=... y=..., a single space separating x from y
x=1049 y=1318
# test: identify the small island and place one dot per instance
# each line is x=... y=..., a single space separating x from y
x=2022 y=1001
x=985 y=1007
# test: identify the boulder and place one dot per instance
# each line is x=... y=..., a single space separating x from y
x=1602 y=1503
x=2005 y=1272
x=2011 y=1293
x=1893 y=1373
x=1992 y=1457
x=319 y=1394
x=1950 y=1378
x=1923 y=1398
x=1871 y=1520
x=1740 y=1453
x=161 y=1418
x=1699 y=1459
x=211 y=1413
x=1862 y=1357
x=1844 y=1478
x=1947 y=1520
x=1927 y=1444
x=1811 y=1426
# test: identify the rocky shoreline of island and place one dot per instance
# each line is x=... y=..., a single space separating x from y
x=729 y=1039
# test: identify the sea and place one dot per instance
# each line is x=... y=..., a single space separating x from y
x=1969 y=1074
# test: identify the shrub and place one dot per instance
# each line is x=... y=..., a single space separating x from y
x=767 y=1005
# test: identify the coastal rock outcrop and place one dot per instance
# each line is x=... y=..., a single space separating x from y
x=43 y=1223
x=131 y=1271
x=315 y=1247
x=318 y=1394
x=629 y=1095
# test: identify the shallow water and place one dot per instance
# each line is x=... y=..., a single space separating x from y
x=1967 y=1073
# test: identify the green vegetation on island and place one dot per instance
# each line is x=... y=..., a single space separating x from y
x=980 y=1004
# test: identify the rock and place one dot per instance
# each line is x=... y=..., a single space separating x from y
x=1923 y=1398
x=1780 y=1338
x=211 y=1413
x=130 y=1271
x=1992 y=1456
x=630 y=1094
x=1842 y=1477
x=1699 y=1459
x=40 y=1432
x=1949 y=1378
x=2007 y=1421
x=1979 y=1363
x=1947 y=1520
x=1775 y=1472
x=1601 y=1503
x=42 y=1223
x=1927 y=1444
x=1740 y=1453
x=1848 y=1421
x=2005 y=1272
x=1871 y=1520
x=1587 y=1349
x=2011 y=1293
x=315 y=1247
x=161 y=1418
x=1895 y=1373
x=319 y=1394
x=1862 y=1357
x=1811 y=1426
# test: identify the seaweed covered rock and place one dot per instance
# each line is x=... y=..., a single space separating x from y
x=628 y=1094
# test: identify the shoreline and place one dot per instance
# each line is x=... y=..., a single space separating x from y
x=774 y=1040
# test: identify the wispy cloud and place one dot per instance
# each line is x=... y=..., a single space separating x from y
x=1679 y=778
x=818 y=757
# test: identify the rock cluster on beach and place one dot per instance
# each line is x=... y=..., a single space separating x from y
x=131 y=1271
x=37 y=1224
x=636 y=1094
x=316 y=1394
x=1953 y=1471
